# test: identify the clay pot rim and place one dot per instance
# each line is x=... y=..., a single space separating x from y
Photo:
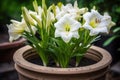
x=7 y=45
x=21 y=62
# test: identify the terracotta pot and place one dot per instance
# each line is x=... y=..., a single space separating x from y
x=31 y=71
x=7 y=49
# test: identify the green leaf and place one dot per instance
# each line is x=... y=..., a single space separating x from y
x=118 y=49
x=116 y=29
x=107 y=42
x=94 y=39
x=118 y=9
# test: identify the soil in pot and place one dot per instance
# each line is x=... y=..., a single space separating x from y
x=84 y=62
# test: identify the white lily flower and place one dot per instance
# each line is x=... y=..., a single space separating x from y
x=16 y=29
x=108 y=18
x=67 y=9
x=96 y=23
x=59 y=13
x=74 y=11
x=66 y=28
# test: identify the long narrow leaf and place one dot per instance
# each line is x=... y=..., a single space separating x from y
x=116 y=30
x=110 y=40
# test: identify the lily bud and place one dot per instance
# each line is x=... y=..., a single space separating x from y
x=37 y=20
x=83 y=10
x=44 y=7
x=28 y=19
x=35 y=5
x=54 y=9
x=75 y=4
x=60 y=5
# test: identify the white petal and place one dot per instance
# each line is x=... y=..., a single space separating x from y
x=67 y=7
x=87 y=26
x=60 y=15
x=92 y=33
x=40 y=10
x=75 y=34
x=75 y=25
x=98 y=30
x=13 y=32
x=15 y=22
x=57 y=10
x=57 y=33
x=60 y=24
x=94 y=12
x=103 y=23
x=87 y=16
x=66 y=36
x=52 y=17
x=14 y=37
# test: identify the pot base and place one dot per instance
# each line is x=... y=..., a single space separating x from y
x=30 y=75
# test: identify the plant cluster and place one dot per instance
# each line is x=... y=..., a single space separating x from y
x=60 y=32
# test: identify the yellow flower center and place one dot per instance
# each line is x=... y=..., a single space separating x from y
x=94 y=22
x=67 y=27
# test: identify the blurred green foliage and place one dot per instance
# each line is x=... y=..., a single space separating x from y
x=116 y=35
x=11 y=9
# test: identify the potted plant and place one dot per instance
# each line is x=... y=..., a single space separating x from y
x=62 y=36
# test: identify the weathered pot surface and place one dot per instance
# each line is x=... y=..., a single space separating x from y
x=32 y=71
x=5 y=44
x=7 y=48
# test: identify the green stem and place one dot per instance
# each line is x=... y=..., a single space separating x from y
x=78 y=59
